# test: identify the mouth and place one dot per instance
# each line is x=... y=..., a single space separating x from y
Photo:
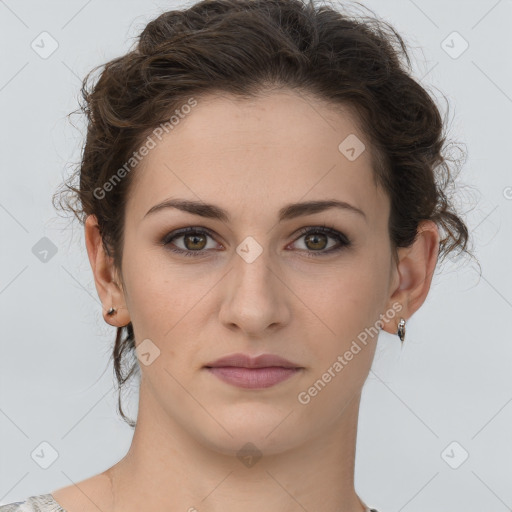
x=253 y=378
x=246 y=371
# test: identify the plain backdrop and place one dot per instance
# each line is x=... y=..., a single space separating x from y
x=435 y=430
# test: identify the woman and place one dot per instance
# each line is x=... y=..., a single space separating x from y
x=260 y=195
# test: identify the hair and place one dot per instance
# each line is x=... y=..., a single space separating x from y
x=248 y=48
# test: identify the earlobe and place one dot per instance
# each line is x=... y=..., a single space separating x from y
x=109 y=292
x=116 y=316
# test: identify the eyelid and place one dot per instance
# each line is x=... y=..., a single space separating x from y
x=179 y=233
x=343 y=240
x=332 y=232
x=324 y=228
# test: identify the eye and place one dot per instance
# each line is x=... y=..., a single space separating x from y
x=316 y=240
x=194 y=240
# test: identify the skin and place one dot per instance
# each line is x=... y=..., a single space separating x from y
x=251 y=158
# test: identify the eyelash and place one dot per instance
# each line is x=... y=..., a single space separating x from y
x=327 y=230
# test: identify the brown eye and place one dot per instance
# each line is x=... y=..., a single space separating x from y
x=194 y=242
x=316 y=241
x=188 y=242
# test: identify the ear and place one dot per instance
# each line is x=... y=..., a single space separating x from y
x=413 y=275
x=105 y=276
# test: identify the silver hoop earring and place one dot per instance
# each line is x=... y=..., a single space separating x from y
x=401 y=330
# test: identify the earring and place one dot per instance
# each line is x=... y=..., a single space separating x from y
x=111 y=311
x=401 y=330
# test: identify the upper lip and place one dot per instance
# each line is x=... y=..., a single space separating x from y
x=247 y=361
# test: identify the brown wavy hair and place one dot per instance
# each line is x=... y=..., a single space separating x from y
x=248 y=48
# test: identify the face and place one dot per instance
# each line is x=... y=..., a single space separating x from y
x=303 y=284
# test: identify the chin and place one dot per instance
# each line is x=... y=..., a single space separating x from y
x=252 y=427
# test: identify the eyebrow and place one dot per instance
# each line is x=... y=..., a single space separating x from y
x=288 y=212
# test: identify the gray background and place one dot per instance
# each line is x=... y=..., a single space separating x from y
x=451 y=382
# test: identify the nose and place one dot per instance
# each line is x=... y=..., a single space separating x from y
x=255 y=297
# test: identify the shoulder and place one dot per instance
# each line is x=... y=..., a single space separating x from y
x=37 y=503
x=11 y=507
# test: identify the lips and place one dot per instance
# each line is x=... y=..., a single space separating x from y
x=247 y=361
x=245 y=371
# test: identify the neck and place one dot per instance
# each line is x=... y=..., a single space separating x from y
x=170 y=468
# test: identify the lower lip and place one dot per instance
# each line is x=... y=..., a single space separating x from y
x=253 y=378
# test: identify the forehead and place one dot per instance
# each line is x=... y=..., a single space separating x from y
x=271 y=150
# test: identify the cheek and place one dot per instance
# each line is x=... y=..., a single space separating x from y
x=348 y=302
x=152 y=297
x=164 y=302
